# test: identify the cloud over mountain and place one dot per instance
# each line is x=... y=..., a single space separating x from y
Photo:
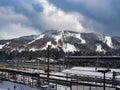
x=26 y=17
x=55 y=18
x=31 y=17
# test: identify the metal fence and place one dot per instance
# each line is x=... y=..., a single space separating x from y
x=82 y=87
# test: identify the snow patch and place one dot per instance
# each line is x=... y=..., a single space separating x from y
x=1 y=46
x=20 y=50
x=7 y=43
x=33 y=49
x=46 y=46
x=58 y=38
x=46 y=59
x=108 y=41
x=78 y=36
x=99 y=48
x=69 y=48
x=54 y=46
x=39 y=37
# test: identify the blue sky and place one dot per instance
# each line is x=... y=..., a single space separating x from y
x=27 y=17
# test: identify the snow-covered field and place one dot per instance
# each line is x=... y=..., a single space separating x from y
x=6 y=85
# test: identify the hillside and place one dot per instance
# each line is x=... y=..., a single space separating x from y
x=64 y=42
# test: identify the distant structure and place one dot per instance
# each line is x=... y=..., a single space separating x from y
x=92 y=58
x=96 y=60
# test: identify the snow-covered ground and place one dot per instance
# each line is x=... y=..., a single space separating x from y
x=86 y=71
x=6 y=85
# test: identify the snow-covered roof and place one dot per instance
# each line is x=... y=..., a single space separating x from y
x=89 y=71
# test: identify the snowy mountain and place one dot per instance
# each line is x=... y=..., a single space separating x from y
x=66 y=41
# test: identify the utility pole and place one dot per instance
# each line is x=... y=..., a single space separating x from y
x=96 y=66
x=38 y=64
x=48 y=66
x=113 y=79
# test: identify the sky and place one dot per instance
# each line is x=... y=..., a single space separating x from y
x=29 y=17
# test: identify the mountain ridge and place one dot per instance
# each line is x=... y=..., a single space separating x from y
x=67 y=41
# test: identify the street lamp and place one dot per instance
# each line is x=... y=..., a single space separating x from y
x=104 y=72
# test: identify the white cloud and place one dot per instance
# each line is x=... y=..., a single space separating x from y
x=22 y=30
x=14 y=24
x=28 y=21
x=8 y=15
x=5 y=35
x=53 y=17
x=17 y=30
